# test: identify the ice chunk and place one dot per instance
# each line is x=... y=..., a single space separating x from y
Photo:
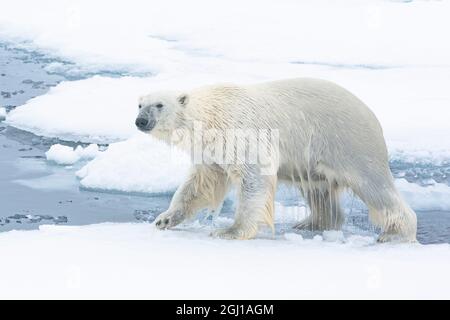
x=66 y=155
x=90 y=152
x=333 y=236
x=2 y=114
x=432 y=197
x=62 y=154
x=294 y=237
x=318 y=238
x=51 y=182
x=140 y=164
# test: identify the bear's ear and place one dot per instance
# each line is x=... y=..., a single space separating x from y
x=183 y=99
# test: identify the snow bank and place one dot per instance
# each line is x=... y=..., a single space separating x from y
x=2 y=114
x=137 y=261
x=67 y=155
x=140 y=164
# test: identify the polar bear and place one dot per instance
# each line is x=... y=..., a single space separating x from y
x=327 y=141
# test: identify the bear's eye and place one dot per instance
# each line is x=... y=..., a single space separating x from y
x=159 y=105
x=140 y=106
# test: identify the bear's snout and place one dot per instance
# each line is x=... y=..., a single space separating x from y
x=141 y=123
x=144 y=124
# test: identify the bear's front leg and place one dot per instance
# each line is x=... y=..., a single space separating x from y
x=205 y=187
x=256 y=194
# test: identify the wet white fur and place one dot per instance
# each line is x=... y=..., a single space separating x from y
x=329 y=141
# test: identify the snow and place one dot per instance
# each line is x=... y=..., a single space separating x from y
x=66 y=155
x=138 y=261
x=62 y=154
x=89 y=152
x=141 y=164
x=2 y=114
x=359 y=32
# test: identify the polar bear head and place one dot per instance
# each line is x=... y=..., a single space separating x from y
x=161 y=112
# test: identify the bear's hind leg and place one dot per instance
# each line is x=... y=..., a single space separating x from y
x=256 y=194
x=326 y=213
x=397 y=222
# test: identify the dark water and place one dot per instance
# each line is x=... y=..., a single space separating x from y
x=34 y=192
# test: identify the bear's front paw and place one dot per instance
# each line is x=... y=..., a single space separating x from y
x=169 y=219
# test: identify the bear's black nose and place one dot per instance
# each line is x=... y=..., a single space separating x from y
x=141 y=123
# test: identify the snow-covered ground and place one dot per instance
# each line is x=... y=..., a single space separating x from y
x=160 y=36
x=137 y=261
x=391 y=54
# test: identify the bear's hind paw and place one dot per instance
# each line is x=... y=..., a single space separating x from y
x=395 y=238
x=233 y=233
